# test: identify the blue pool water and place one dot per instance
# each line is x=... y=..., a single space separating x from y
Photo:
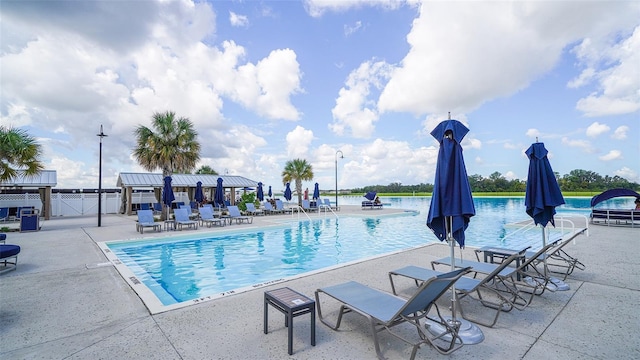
x=181 y=269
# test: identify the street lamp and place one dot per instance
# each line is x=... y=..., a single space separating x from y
x=101 y=135
x=341 y=157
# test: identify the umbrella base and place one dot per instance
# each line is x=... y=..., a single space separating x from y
x=469 y=332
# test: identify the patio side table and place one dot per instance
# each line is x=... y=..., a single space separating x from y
x=292 y=304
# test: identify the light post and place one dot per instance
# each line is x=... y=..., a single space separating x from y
x=341 y=157
x=101 y=135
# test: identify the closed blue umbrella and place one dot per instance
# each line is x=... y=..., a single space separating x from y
x=167 y=194
x=287 y=192
x=218 y=196
x=259 y=193
x=316 y=192
x=542 y=196
x=270 y=193
x=451 y=205
x=199 y=196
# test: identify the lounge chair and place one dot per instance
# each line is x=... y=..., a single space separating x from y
x=8 y=252
x=385 y=310
x=280 y=207
x=4 y=214
x=251 y=210
x=181 y=218
x=268 y=208
x=206 y=217
x=234 y=214
x=144 y=206
x=157 y=208
x=146 y=220
x=306 y=206
x=467 y=287
x=558 y=261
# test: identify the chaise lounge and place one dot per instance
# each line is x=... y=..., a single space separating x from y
x=384 y=310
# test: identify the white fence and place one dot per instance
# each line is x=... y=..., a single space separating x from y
x=77 y=204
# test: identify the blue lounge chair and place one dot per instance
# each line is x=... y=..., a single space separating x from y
x=306 y=206
x=4 y=214
x=251 y=209
x=234 y=214
x=181 y=218
x=268 y=208
x=280 y=207
x=385 y=310
x=144 y=206
x=486 y=290
x=145 y=220
x=206 y=217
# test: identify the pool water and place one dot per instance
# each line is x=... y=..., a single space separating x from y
x=181 y=269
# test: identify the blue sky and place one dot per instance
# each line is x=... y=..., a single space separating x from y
x=270 y=81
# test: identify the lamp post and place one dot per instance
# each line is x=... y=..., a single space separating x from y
x=101 y=135
x=341 y=157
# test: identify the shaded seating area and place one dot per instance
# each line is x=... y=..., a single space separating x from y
x=384 y=310
x=146 y=220
x=614 y=216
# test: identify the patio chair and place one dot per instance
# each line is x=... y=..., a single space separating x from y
x=181 y=218
x=251 y=210
x=157 y=208
x=146 y=220
x=280 y=207
x=384 y=310
x=4 y=214
x=306 y=206
x=8 y=252
x=206 y=217
x=234 y=214
x=268 y=208
x=558 y=261
x=466 y=287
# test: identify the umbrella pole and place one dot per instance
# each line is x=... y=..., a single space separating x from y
x=469 y=332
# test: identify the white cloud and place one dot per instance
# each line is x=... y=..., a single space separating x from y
x=533 y=133
x=596 y=129
x=620 y=133
x=611 y=155
x=581 y=144
x=350 y=30
x=617 y=75
x=298 y=141
x=238 y=20
x=513 y=44
x=629 y=174
x=317 y=8
x=353 y=114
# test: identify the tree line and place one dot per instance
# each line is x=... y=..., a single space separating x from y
x=576 y=180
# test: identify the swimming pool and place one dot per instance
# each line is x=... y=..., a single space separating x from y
x=180 y=270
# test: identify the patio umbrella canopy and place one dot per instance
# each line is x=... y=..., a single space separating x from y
x=218 y=196
x=371 y=195
x=287 y=192
x=259 y=192
x=199 y=196
x=543 y=192
x=167 y=194
x=542 y=196
x=316 y=192
x=451 y=208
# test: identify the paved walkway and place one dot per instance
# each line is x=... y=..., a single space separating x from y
x=66 y=302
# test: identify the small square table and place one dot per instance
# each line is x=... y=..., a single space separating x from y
x=291 y=303
x=491 y=252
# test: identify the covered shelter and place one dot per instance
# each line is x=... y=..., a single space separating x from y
x=181 y=182
x=44 y=182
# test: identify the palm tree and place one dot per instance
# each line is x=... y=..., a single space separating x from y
x=19 y=154
x=206 y=170
x=298 y=170
x=172 y=147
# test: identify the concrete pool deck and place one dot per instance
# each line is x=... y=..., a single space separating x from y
x=65 y=301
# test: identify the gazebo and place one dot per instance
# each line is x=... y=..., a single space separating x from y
x=128 y=181
x=44 y=182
